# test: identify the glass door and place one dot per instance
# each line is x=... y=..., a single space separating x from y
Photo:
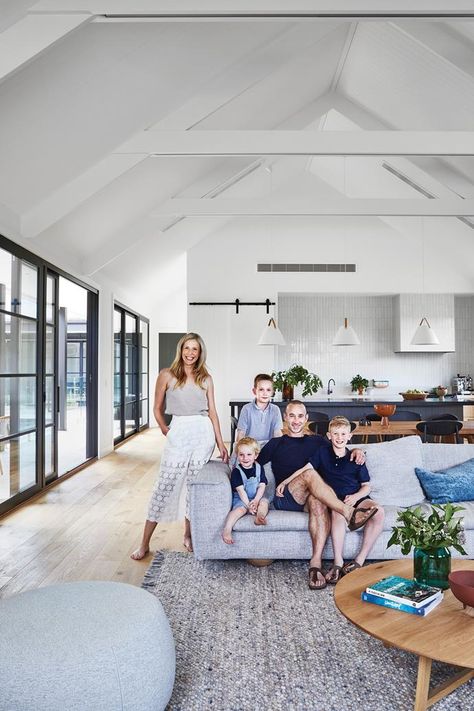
x=48 y=374
x=50 y=378
x=19 y=287
x=74 y=375
x=130 y=373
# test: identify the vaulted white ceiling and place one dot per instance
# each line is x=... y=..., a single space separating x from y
x=83 y=97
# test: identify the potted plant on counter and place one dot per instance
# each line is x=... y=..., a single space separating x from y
x=285 y=381
x=431 y=535
x=358 y=384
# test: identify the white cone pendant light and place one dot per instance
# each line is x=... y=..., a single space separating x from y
x=346 y=336
x=424 y=335
x=271 y=335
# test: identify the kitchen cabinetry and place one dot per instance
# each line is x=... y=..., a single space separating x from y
x=409 y=309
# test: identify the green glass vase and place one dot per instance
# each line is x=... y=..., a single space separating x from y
x=432 y=566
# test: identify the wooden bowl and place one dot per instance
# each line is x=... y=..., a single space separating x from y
x=461 y=583
x=385 y=410
x=414 y=396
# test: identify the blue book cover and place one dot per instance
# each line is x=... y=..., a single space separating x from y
x=403 y=590
x=392 y=604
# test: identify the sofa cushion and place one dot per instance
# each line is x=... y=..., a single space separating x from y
x=448 y=485
x=391 y=467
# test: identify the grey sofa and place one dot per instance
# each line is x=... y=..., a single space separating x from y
x=394 y=485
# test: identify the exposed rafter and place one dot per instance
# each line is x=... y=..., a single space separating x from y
x=339 y=206
x=296 y=143
x=32 y=35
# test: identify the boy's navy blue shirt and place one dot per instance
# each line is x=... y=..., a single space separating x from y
x=236 y=476
x=287 y=454
x=344 y=476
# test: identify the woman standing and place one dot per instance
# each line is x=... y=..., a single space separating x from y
x=188 y=391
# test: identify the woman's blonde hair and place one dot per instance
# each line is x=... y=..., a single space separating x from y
x=200 y=370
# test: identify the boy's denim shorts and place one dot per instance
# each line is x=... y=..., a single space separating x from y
x=238 y=503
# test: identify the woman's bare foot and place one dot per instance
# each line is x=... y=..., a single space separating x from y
x=260 y=520
x=227 y=536
x=188 y=544
x=140 y=553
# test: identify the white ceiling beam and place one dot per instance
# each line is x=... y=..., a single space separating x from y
x=31 y=35
x=337 y=206
x=296 y=143
x=68 y=197
x=265 y=8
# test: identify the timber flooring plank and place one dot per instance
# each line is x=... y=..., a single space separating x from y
x=85 y=527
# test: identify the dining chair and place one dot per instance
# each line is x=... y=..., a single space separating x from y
x=439 y=430
x=318 y=422
x=445 y=416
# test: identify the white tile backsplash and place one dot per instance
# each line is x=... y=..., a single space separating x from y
x=309 y=324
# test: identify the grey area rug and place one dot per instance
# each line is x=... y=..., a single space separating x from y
x=257 y=638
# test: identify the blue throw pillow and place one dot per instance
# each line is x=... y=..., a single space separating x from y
x=448 y=485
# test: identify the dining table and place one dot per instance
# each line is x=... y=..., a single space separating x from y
x=402 y=428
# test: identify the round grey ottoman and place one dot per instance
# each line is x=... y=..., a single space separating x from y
x=88 y=646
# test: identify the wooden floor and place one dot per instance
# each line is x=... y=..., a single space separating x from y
x=86 y=527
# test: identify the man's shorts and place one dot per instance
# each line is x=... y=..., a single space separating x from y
x=286 y=502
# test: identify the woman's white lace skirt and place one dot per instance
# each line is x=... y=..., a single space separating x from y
x=189 y=446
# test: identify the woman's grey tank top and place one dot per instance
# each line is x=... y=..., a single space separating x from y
x=187 y=400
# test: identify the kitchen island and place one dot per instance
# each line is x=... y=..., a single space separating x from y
x=356 y=407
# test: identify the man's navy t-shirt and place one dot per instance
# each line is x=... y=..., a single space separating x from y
x=287 y=454
x=344 y=476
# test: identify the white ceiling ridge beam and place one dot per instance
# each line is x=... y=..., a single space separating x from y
x=310 y=206
x=77 y=191
x=300 y=143
x=32 y=35
x=261 y=8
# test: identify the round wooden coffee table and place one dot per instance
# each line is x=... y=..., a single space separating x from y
x=446 y=634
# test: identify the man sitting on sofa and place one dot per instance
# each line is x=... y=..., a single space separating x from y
x=308 y=491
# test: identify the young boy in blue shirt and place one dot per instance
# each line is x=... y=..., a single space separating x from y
x=248 y=483
x=261 y=418
x=350 y=482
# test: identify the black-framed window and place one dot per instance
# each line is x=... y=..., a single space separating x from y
x=131 y=372
x=30 y=396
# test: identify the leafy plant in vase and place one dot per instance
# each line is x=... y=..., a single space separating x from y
x=285 y=381
x=358 y=384
x=431 y=535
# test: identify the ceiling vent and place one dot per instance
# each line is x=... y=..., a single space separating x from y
x=306 y=267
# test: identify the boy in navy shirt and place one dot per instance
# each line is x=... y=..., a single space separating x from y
x=350 y=482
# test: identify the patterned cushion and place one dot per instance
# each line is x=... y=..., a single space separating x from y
x=391 y=467
x=448 y=485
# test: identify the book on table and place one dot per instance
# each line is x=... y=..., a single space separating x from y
x=402 y=607
x=405 y=591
